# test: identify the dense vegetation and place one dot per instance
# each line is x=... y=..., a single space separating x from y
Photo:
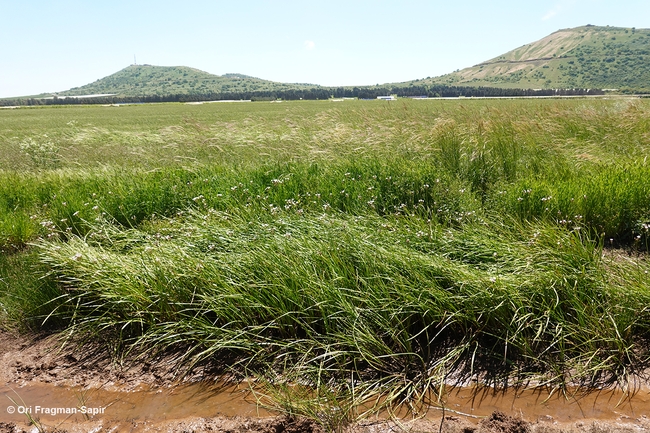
x=148 y=80
x=317 y=93
x=365 y=246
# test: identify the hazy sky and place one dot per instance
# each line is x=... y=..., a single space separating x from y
x=53 y=45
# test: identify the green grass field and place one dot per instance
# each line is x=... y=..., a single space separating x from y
x=363 y=247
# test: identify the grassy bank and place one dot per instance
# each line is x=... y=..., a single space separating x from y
x=385 y=244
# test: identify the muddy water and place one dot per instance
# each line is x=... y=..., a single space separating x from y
x=53 y=404
x=533 y=405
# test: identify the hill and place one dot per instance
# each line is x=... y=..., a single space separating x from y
x=139 y=80
x=569 y=61
x=582 y=57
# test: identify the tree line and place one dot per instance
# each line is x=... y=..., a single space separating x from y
x=434 y=91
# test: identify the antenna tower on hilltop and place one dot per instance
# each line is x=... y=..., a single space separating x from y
x=135 y=63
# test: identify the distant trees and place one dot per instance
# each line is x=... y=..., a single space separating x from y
x=431 y=91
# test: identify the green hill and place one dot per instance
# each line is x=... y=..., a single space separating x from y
x=138 y=80
x=588 y=57
x=582 y=57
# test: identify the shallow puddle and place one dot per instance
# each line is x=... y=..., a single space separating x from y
x=47 y=402
x=533 y=405
x=50 y=403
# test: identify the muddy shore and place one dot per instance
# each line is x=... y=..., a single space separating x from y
x=57 y=389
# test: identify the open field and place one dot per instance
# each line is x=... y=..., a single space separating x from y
x=338 y=253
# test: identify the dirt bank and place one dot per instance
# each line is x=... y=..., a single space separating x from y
x=62 y=389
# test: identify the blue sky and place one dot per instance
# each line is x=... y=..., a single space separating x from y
x=48 y=46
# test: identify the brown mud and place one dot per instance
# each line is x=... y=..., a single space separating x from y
x=44 y=387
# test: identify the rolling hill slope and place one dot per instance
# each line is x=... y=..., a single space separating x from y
x=588 y=57
x=582 y=57
x=138 y=80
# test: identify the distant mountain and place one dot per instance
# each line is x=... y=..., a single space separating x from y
x=139 y=80
x=588 y=57
x=582 y=57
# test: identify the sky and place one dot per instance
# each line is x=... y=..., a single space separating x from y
x=54 y=45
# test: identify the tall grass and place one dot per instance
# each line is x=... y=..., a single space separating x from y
x=157 y=159
x=612 y=201
x=380 y=247
x=366 y=294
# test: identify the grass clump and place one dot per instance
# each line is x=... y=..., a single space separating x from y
x=373 y=297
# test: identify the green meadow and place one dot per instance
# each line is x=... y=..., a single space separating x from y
x=359 y=248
